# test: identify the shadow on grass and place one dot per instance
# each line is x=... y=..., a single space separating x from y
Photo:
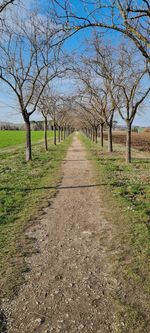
x=58 y=187
x=65 y=187
x=84 y=160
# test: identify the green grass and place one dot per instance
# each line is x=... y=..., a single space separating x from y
x=126 y=198
x=23 y=192
x=13 y=138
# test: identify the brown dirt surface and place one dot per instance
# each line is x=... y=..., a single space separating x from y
x=69 y=284
x=140 y=141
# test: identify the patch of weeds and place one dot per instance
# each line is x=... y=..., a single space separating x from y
x=130 y=319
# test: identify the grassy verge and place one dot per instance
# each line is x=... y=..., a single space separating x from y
x=25 y=189
x=126 y=198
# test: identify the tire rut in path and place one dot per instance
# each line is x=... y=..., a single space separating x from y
x=69 y=287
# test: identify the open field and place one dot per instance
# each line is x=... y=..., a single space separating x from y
x=140 y=141
x=14 y=138
x=24 y=189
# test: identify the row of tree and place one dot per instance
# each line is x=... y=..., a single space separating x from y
x=113 y=82
x=109 y=80
x=30 y=59
x=58 y=109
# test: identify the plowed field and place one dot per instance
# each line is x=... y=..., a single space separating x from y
x=139 y=140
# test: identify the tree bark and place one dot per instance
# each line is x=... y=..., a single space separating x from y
x=102 y=135
x=96 y=134
x=28 y=141
x=93 y=134
x=59 y=134
x=45 y=133
x=64 y=132
x=128 y=144
x=55 y=139
x=110 y=144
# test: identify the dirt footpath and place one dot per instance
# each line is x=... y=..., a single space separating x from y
x=69 y=284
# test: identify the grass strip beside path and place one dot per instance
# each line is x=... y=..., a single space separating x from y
x=25 y=189
x=126 y=201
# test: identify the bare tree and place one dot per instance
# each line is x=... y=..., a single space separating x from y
x=89 y=112
x=48 y=107
x=130 y=18
x=102 y=65
x=44 y=107
x=101 y=94
x=51 y=105
x=61 y=117
x=64 y=116
x=134 y=89
x=122 y=72
x=28 y=62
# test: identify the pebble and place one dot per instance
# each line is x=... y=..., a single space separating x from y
x=39 y=321
x=80 y=327
x=39 y=274
x=67 y=316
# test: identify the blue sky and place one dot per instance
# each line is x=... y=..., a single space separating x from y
x=9 y=110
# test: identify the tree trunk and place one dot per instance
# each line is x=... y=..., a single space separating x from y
x=45 y=133
x=110 y=144
x=93 y=134
x=28 y=141
x=128 y=144
x=102 y=134
x=59 y=130
x=61 y=133
x=96 y=134
x=64 y=132
x=55 y=140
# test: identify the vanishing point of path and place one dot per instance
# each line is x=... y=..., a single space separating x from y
x=69 y=285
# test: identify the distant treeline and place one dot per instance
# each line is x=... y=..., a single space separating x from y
x=35 y=126
x=8 y=126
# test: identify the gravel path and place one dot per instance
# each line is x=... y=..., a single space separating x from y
x=69 y=285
